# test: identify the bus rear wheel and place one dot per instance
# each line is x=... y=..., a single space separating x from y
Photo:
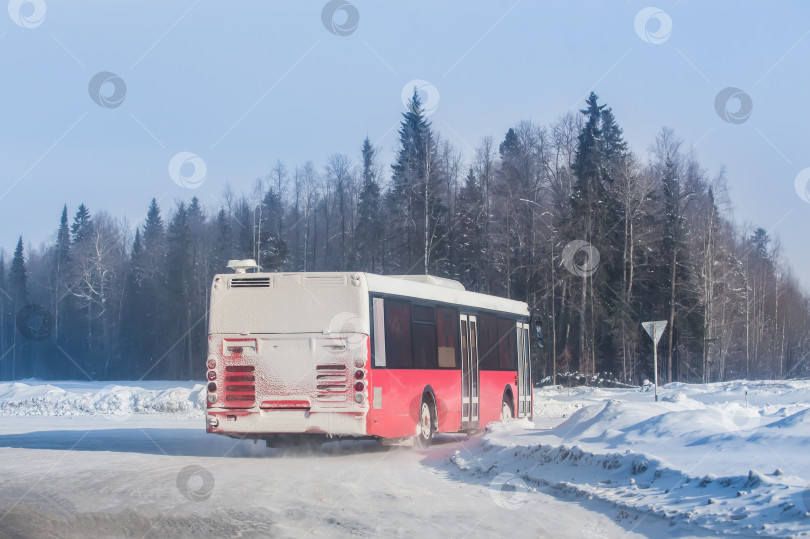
x=424 y=430
x=506 y=409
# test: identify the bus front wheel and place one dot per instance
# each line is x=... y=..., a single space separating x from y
x=424 y=430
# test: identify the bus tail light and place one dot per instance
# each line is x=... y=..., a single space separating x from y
x=212 y=398
x=359 y=386
x=359 y=375
x=212 y=375
x=359 y=398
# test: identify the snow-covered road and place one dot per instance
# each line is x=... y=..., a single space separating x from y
x=91 y=476
x=130 y=459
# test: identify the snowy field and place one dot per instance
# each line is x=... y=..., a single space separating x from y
x=132 y=459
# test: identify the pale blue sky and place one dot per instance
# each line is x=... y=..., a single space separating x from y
x=242 y=84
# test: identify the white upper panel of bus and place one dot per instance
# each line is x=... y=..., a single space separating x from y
x=422 y=287
x=398 y=286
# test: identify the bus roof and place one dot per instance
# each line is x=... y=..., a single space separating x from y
x=424 y=287
x=398 y=286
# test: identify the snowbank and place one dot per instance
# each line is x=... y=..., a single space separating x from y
x=731 y=457
x=118 y=399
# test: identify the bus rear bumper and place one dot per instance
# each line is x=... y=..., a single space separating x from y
x=230 y=422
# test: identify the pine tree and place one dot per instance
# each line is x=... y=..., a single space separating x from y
x=18 y=277
x=154 y=287
x=421 y=217
x=273 y=247
x=223 y=243
x=760 y=240
x=469 y=221
x=82 y=226
x=62 y=241
x=153 y=229
x=60 y=270
x=6 y=318
x=18 y=289
x=369 y=222
x=135 y=311
x=179 y=262
x=673 y=251
x=585 y=204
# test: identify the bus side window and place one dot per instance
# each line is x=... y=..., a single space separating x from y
x=379 y=332
x=424 y=337
x=398 y=350
x=447 y=330
x=506 y=344
x=488 y=342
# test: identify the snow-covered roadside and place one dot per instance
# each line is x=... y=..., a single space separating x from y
x=114 y=399
x=701 y=455
x=728 y=457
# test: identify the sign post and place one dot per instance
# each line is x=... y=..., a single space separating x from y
x=655 y=330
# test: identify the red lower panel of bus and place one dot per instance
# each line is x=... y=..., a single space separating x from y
x=493 y=384
x=398 y=394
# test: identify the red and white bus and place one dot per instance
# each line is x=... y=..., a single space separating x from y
x=350 y=354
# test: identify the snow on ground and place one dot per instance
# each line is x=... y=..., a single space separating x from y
x=33 y=397
x=597 y=462
x=731 y=457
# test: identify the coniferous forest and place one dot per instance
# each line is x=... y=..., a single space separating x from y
x=594 y=236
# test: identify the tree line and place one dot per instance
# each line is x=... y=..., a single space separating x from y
x=595 y=238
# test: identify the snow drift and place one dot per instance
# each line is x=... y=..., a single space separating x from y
x=729 y=457
x=119 y=399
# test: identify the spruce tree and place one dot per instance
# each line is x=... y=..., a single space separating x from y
x=369 y=223
x=60 y=272
x=223 y=243
x=18 y=277
x=154 y=287
x=420 y=219
x=82 y=225
x=273 y=246
x=6 y=319
x=469 y=220
x=179 y=275
x=18 y=289
x=62 y=241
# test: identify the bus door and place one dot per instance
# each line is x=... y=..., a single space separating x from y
x=524 y=372
x=469 y=371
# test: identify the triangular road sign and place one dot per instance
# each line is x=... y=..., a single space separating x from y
x=655 y=329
